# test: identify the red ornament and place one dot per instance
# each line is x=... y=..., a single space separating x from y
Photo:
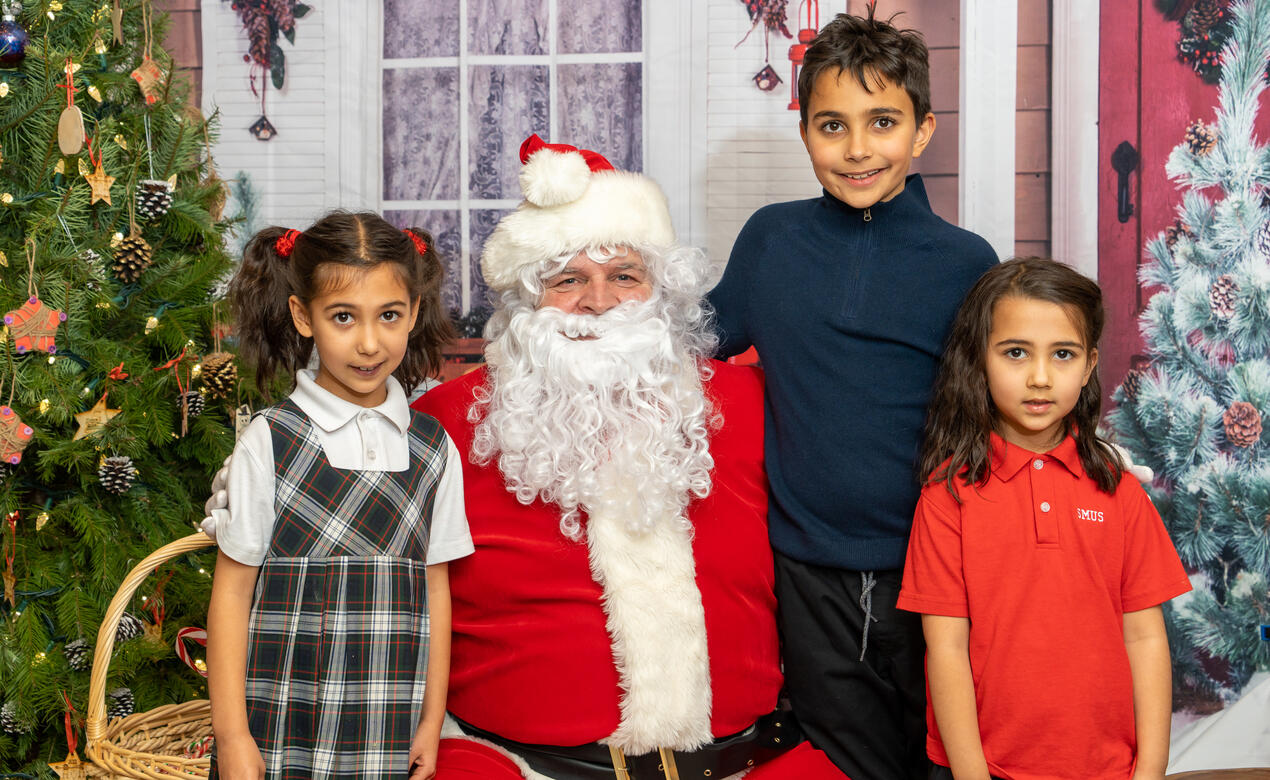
x=34 y=326
x=14 y=436
x=806 y=33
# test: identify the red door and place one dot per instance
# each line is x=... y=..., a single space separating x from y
x=1146 y=97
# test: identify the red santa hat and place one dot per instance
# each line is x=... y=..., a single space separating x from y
x=574 y=199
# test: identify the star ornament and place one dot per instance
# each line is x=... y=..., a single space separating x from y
x=34 y=326
x=93 y=420
x=70 y=769
x=14 y=436
x=100 y=183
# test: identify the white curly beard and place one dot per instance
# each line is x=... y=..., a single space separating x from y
x=572 y=397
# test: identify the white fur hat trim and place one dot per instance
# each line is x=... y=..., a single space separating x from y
x=613 y=208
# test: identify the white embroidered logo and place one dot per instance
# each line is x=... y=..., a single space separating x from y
x=1092 y=515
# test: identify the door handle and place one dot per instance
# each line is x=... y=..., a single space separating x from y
x=1125 y=161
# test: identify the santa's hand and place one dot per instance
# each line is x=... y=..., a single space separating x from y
x=1143 y=473
x=217 y=506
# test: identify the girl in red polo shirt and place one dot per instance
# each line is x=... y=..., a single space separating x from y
x=1038 y=564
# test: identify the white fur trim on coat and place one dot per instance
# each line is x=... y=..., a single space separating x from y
x=657 y=624
x=617 y=208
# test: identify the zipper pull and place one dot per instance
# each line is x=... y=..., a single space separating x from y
x=868 y=215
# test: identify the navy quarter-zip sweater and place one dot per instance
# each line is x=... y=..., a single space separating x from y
x=848 y=309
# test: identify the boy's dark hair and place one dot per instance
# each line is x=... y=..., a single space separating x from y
x=326 y=256
x=962 y=414
x=866 y=48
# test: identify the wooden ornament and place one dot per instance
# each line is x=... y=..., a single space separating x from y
x=15 y=435
x=34 y=326
x=100 y=182
x=116 y=22
x=70 y=769
x=149 y=76
x=93 y=420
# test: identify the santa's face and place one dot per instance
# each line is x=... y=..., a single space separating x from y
x=589 y=286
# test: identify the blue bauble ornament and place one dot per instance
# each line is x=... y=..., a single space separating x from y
x=12 y=43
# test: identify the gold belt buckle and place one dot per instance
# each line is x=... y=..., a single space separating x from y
x=668 y=767
x=621 y=772
x=619 y=763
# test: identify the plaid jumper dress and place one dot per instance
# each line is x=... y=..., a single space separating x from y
x=338 y=634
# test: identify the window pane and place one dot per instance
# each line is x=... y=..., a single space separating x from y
x=414 y=29
x=444 y=227
x=483 y=222
x=421 y=137
x=589 y=26
x=601 y=108
x=507 y=26
x=506 y=104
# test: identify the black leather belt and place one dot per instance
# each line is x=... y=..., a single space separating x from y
x=770 y=736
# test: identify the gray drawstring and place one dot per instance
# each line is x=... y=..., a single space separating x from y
x=867 y=581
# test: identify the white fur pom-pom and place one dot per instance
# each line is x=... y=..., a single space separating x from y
x=552 y=178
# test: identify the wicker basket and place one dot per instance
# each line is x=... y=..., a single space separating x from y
x=147 y=745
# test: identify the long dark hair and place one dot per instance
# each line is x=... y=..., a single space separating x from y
x=334 y=245
x=962 y=415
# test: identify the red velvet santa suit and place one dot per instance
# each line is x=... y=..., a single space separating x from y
x=533 y=658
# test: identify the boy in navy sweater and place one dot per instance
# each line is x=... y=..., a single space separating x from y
x=848 y=298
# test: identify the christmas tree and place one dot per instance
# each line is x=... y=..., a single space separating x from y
x=1195 y=413
x=115 y=408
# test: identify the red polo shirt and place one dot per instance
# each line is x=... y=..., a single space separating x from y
x=1044 y=565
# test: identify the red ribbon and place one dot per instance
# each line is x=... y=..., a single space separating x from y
x=420 y=245
x=117 y=373
x=286 y=243
x=71 y=740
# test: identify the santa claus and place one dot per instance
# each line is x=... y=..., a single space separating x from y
x=617 y=619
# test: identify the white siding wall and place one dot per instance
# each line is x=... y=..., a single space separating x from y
x=754 y=155
x=304 y=170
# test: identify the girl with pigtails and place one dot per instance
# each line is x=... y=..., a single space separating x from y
x=329 y=623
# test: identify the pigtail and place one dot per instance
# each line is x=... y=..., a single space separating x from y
x=433 y=329
x=258 y=296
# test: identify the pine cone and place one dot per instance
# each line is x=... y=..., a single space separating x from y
x=154 y=198
x=131 y=258
x=120 y=704
x=194 y=402
x=1132 y=383
x=1222 y=296
x=77 y=654
x=283 y=13
x=1243 y=424
x=11 y=722
x=130 y=627
x=116 y=474
x=1175 y=231
x=1263 y=241
x=1200 y=138
x=219 y=374
x=1203 y=16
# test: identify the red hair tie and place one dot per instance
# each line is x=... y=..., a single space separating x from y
x=286 y=243
x=420 y=244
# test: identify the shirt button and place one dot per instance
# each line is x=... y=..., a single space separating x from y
x=370 y=455
x=1038 y=464
x=1045 y=506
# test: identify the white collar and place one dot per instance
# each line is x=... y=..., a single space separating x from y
x=330 y=412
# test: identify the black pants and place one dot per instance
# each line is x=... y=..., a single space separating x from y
x=868 y=716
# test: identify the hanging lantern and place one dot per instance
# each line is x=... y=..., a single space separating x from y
x=809 y=24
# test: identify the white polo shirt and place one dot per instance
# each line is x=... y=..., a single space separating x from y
x=352 y=437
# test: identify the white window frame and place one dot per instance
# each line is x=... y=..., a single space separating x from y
x=463 y=61
x=989 y=84
x=1074 y=123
